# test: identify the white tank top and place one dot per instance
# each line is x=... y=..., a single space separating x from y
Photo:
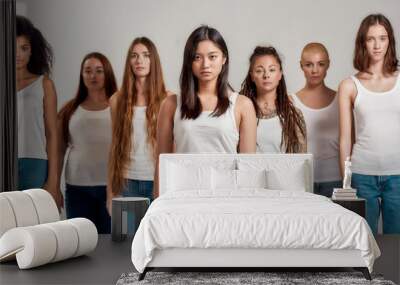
x=90 y=134
x=207 y=134
x=269 y=135
x=141 y=166
x=376 y=150
x=323 y=139
x=31 y=132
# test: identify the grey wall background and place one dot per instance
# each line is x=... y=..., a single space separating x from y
x=76 y=27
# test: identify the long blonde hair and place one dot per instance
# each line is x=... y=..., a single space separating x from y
x=126 y=100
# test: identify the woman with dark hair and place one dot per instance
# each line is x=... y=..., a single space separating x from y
x=369 y=105
x=134 y=110
x=37 y=112
x=319 y=105
x=280 y=126
x=207 y=116
x=85 y=128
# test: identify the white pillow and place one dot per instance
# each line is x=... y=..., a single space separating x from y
x=251 y=178
x=292 y=179
x=188 y=177
x=223 y=179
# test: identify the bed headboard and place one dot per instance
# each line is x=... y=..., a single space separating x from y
x=281 y=163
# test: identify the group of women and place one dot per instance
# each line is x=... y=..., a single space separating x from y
x=111 y=138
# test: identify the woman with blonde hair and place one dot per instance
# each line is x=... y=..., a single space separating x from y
x=134 y=112
x=319 y=105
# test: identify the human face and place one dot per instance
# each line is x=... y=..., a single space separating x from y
x=314 y=65
x=266 y=73
x=377 y=42
x=208 y=61
x=24 y=52
x=93 y=74
x=140 y=60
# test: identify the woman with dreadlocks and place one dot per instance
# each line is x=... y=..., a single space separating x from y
x=280 y=127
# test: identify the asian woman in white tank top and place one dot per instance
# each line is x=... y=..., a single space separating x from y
x=37 y=111
x=370 y=122
x=134 y=110
x=85 y=130
x=280 y=126
x=207 y=116
x=319 y=106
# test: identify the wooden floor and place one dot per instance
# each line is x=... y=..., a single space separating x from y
x=110 y=260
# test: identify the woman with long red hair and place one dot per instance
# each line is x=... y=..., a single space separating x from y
x=85 y=128
x=134 y=112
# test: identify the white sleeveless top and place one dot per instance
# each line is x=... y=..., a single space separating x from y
x=207 y=134
x=376 y=150
x=269 y=135
x=90 y=135
x=31 y=131
x=141 y=165
x=323 y=138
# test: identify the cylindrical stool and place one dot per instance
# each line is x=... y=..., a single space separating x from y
x=137 y=205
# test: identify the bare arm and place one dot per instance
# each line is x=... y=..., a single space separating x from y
x=62 y=147
x=247 y=125
x=50 y=123
x=165 y=136
x=113 y=110
x=347 y=93
x=302 y=138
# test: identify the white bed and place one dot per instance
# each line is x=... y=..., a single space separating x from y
x=221 y=210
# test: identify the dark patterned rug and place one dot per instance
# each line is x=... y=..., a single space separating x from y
x=270 y=278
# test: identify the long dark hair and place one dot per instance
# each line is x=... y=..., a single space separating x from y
x=190 y=105
x=41 y=59
x=110 y=86
x=361 y=59
x=289 y=118
x=126 y=100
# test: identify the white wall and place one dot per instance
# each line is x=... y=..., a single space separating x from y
x=76 y=27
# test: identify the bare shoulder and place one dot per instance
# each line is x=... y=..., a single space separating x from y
x=244 y=102
x=169 y=103
x=48 y=84
x=169 y=93
x=347 y=88
x=114 y=99
x=167 y=108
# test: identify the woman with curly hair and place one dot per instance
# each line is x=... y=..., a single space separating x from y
x=37 y=112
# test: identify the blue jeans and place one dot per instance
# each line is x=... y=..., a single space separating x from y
x=326 y=188
x=32 y=173
x=137 y=188
x=382 y=193
x=88 y=202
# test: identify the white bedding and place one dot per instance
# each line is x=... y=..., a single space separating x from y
x=252 y=218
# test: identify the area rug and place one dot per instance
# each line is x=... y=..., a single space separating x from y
x=243 y=278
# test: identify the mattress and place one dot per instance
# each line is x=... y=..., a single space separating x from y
x=251 y=219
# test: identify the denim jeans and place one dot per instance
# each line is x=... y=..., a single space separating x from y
x=137 y=188
x=32 y=173
x=382 y=193
x=88 y=202
x=326 y=188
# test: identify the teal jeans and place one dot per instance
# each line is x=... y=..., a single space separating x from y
x=382 y=194
x=32 y=173
x=137 y=188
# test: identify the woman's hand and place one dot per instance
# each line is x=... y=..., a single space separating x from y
x=55 y=193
